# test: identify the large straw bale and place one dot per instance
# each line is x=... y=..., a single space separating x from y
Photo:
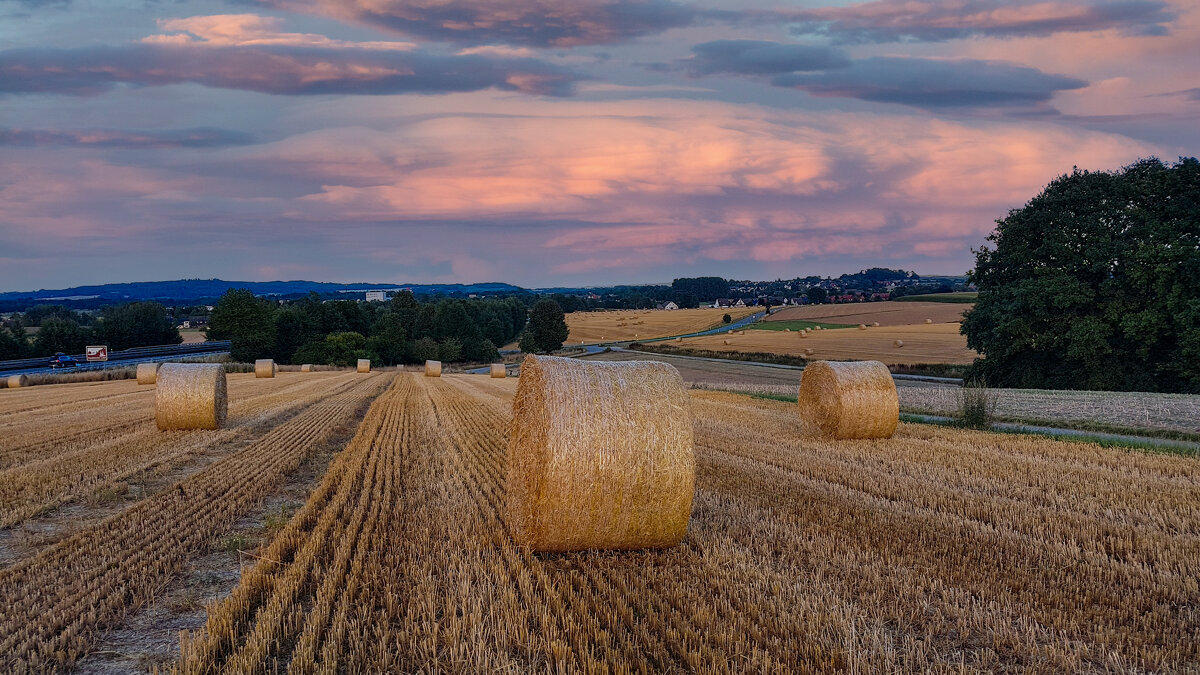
x=364 y=365
x=17 y=381
x=147 y=373
x=433 y=369
x=264 y=368
x=600 y=455
x=855 y=399
x=306 y=368
x=498 y=370
x=190 y=396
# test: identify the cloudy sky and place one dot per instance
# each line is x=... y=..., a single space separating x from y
x=545 y=142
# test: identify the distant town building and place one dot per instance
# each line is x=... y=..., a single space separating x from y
x=376 y=296
x=667 y=305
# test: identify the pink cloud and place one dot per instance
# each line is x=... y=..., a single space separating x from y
x=233 y=30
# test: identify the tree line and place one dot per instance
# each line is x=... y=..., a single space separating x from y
x=61 y=329
x=402 y=330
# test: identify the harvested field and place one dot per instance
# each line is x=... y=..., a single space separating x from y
x=936 y=550
x=937 y=343
x=620 y=325
x=886 y=313
x=61 y=599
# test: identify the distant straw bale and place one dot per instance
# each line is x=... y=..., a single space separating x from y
x=433 y=369
x=16 y=381
x=190 y=396
x=306 y=368
x=498 y=371
x=264 y=368
x=364 y=365
x=600 y=455
x=849 y=399
x=147 y=373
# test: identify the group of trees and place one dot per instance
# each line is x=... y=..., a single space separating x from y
x=402 y=330
x=1095 y=284
x=60 y=329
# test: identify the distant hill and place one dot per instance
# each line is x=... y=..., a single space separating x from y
x=197 y=289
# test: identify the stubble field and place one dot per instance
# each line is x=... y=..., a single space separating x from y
x=935 y=550
x=936 y=343
x=620 y=325
x=886 y=313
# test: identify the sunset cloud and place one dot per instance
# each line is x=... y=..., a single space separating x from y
x=614 y=141
x=933 y=83
x=271 y=69
x=939 y=20
x=538 y=23
x=116 y=138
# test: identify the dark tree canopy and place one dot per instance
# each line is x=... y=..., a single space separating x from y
x=137 y=324
x=1095 y=284
x=547 y=330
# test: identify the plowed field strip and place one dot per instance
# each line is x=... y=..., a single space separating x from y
x=56 y=603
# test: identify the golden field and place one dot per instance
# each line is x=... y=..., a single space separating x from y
x=620 y=325
x=939 y=550
x=885 y=313
x=936 y=343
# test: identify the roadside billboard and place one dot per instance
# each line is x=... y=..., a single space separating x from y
x=96 y=353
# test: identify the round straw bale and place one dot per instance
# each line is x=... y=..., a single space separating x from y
x=875 y=324
x=17 y=381
x=147 y=373
x=190 y=396
x=787 y=330
x=803 y=334
x=264 y=368
x=850 y=399
x=862 y=326
x=726 y=341
x=600 y=455
x=741 y=332
x=306 y=368
x=816 y=328
x=808 y=351
x=433 y=369
x=899 y=343
x=364 y=365
x=498 y=370
x=928 y=320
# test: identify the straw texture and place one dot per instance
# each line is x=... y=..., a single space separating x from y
x=364 y=365
x=600 y=455
x=306 y=368
x=433 y=369
x=854 y=399
x=147 y=373
x=190 y=396
x=264 y=368
x=498 y=370
x=17 y=381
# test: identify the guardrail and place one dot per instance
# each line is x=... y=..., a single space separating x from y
x=126 y=354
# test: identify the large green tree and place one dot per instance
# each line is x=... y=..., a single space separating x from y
x=1095 y=284
x=59 y=335
x=547 y=329
x=247 y=321
x=137 y=324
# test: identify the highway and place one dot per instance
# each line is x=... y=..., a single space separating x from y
x=116 y=358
